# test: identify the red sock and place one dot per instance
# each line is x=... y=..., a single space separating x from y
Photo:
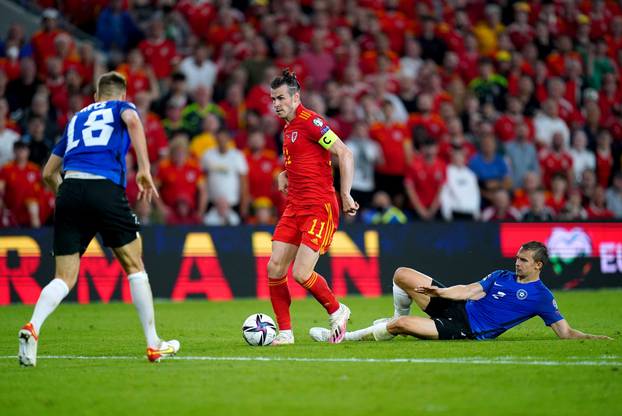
x=318 y=287
x=281 y=299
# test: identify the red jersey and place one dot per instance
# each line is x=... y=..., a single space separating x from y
x=160 y=55
x=604 y=167
x=556 y=204
x=137 y=80
x=157 y=142
x=43 y=48
x=262 y=169
x=258 y=99
x=552 y=163
x=426 y=178
x=307 y=162
x=179 y=182
x=433 y=123
x=391 y=138
x=22 y=186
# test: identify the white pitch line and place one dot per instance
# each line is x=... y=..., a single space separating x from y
x=530 y=361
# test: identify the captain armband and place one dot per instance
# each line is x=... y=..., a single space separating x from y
x=328 y=139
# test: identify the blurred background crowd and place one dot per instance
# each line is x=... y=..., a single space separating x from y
x=454 y=110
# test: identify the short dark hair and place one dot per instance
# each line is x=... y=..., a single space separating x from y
x=111 y=84
x=539 y=250
x=286 y=78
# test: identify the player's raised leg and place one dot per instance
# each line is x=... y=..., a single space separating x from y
x=305 y=262
x=51 y=296
x=404 y=281
x=282 y=256
x=130 y=257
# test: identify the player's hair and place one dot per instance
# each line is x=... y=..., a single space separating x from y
x=111 y=84
x=286 y=78
x=539 y=250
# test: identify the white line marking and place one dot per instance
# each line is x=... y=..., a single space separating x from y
x=533 y=361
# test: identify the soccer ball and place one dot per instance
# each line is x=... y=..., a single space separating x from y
x=259 y=329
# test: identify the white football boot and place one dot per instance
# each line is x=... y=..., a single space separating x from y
x=338 y=322
x=28 y=340
x=167 y=349
x=319 y=334
x=283 y=338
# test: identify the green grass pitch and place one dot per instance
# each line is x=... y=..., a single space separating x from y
x=526 y=371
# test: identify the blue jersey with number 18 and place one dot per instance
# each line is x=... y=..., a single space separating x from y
x=96 y=141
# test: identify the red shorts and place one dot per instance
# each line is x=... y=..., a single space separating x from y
x=313 y=226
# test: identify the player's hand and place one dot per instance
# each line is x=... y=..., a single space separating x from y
x=146 y=187
x=432 y=291
x=350 y=206
x=282 y=182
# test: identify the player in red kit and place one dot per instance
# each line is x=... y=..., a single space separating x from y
x=311 y=215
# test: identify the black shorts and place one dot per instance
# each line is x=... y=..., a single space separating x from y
x=85 y=207
x=450 y=317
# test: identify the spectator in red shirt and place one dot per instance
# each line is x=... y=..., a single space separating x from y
x=597 y=208
x=424 y=180
x=520 y=31
x=263 y=168
x=604 y=158
x=501 y=208
x=319 y=61
x=287 y=58
x=455 y=138
x=157 y=141
x=432 y=122
x=181 y=181
x=43 y=40
x=159 y=52
x=531 y=181
x=555 y=159
x=258 y=97
x=20 y=185
x=505 y=126
x=139 y=76
x=234 y=108
x=557 y=92
x=396 y=146
x=57 y=85
x=557 y=198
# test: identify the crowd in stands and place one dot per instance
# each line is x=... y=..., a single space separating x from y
x=454 y=110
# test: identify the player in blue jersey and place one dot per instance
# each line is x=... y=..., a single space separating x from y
x=90 y=199
x=480 y=310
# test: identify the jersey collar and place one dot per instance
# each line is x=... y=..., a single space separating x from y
x=299 y=110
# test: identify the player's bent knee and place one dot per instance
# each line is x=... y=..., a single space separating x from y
x=300 y=274
x=401 y=275
x=276 y=269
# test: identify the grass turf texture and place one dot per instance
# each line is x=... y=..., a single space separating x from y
x=135 y=386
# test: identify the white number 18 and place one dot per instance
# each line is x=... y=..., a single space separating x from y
x=99 y=120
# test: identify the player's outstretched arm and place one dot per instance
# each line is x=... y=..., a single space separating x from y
x=146 y=187
x=459 y=292
x=51 y=172
x=565 y=331
x=346 y=170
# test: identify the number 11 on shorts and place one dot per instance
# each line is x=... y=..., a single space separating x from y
x=319 y=233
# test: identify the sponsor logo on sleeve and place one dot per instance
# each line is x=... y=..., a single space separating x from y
x=318 y=122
